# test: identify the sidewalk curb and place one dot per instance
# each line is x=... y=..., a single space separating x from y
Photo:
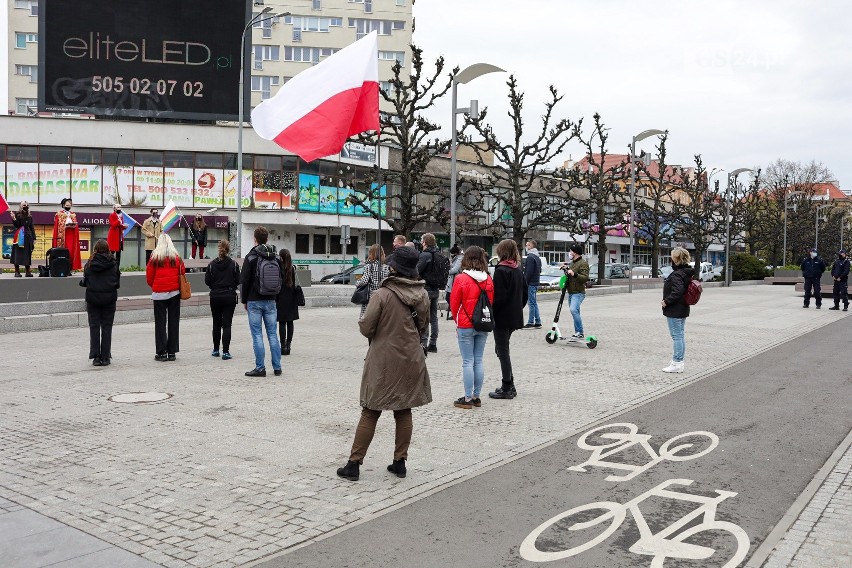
x=496 y=462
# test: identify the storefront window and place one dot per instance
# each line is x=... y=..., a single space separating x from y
x=22 y=154
x=85 y=156
x=148 y=158
x=54 y=155
x=303 y=243
x=118 y=157
x=208 y=160
x=319 y=243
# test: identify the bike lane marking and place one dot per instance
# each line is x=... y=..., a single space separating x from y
x=777 y=416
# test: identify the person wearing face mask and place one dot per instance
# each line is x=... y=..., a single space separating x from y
x=840 y=274
x=812 y=268
x=115 y=237
x=66 y=233
x=152 y=229
x=578 y=275
x=198 y=234
x=24 y=241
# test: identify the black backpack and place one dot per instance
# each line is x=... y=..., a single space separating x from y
x=438 y=273
x=483 y=314
x=269 y=278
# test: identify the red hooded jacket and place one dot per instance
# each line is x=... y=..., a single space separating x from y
x=165 y=278
x=465 y=294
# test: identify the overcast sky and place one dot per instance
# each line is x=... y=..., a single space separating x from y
x=741 y=83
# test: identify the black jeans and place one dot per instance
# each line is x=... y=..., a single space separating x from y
x=100 y=330
x=117 y=255
x=167 y=315
x=501 y=347
x=425 y=337
x=223 y=316
x=147 y=256
x=841 y=293
x=285 y=330
x=812 y=283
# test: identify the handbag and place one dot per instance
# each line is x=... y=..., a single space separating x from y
x=299 y=295
x=361 y=295
x=185 y=287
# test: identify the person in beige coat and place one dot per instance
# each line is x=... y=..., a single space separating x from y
x=152 y=229
x=395 y=375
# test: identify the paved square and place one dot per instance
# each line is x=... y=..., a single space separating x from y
x=232 y=469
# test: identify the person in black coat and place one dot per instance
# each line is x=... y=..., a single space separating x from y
x=812 y=268
x=840 y=274
x=510 y=297
x=102 y=279
x=287 y=303
x=22 y=255
x=223 y=279
x=675 y=308
x=198 y=236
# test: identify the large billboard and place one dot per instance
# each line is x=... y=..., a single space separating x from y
x=143 y=58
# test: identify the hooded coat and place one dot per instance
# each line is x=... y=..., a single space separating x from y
x=466 y=289
x=674 y=289
x=223 y=278
x=395 y=375
x=510 y=296
x=102 y=280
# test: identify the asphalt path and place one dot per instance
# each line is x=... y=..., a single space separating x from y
x=763 y=428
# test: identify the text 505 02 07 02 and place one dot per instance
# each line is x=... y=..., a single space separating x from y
x=145 y=86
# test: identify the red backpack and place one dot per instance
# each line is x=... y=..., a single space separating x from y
x=693 y=293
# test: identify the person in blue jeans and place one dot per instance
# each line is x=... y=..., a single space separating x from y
x=532 y=274
x=674 y=307
x=261 y=308
x=578 y=275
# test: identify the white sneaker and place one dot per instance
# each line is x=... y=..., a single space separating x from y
x=578 y=335
x=674 y=367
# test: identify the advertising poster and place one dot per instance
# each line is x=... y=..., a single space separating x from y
x=117 y=184
x=308 y=192
x=147 y=187
x=267 y=189
x=22 y=183
x=177 y=186
x=327 y=199
x=208 y=188
x=86 y=184
x=230 y=188
x=288 y=190
x=54 y=181
x=344 y=201
x=8 y=235
x=372 y=204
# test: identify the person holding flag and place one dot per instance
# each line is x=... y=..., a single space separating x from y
x=170 y=216
x=24 y=239
x=66 y=232
x=115 y=237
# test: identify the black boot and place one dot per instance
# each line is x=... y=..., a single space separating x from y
x=17 y=271
x=350 y=471
x=286 y=350
x=397 y=467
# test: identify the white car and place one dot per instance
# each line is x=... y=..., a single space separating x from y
x=706 y=274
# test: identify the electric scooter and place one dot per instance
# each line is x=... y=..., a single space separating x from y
x=555 y=335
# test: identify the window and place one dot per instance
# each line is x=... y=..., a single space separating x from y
x=85 y=156
x=179 y=159
x=319 y=243
x=54 y=155
x=387 y=87
x=393 y=55
x=368 y=6
x=383 y=27
x=22 y=154
x=312 y=23
x=30 y=71
x=208 y=160
x=316 y=5
x=266 y=25
x=264 y=84
x=400 y=2
x=31 y=5
x=334 y=246
x=26 y=106
x=265 y=53
x=118 y=157
x=22 y=39
x=307 y=54
x=149 y=158
x=352 y=247
x=303 y=244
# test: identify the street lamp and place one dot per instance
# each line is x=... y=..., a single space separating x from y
x=816 y=223
x=261 y=17
x=786 y=195
x=466 y=76
x=638 y=138
x=732 y=185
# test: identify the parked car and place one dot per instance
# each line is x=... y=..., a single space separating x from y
x=348 y=276
x=641 y=271
x=611 y=272
x=706 y=273
x=550 y=276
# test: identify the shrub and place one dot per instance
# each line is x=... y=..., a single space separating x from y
x=747 y=267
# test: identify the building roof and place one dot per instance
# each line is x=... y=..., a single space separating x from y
x=614 y=160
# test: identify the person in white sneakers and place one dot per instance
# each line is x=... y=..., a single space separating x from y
x=675 y=308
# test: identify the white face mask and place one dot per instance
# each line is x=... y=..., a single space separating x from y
x=813 y=255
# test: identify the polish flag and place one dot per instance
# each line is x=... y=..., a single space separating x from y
x=4 y=205
x=314 y=113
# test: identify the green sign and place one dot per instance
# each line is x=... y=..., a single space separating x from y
x=353 y=261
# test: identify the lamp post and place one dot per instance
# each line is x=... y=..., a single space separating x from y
x=463 y=77
x=732 y=185
x=816 y=223
x=638 y=138
x=255 y=19
x=786 y=195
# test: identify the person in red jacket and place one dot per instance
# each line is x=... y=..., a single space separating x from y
x=473 y=280
x=163 y=275
x=115 y=237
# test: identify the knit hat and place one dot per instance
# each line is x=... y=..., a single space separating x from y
x=404 y=261
x=576 y=249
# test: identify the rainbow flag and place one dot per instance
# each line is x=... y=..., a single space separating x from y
x=169 y=218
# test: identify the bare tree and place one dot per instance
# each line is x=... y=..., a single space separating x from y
x=523 y=182
x=414 y=197
x=699 y=210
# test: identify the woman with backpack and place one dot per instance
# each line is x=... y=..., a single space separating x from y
x=374 y=272
x=101 y=279
x=455 y=267
x=395 y=376
x=163 y=276
x=510 y=297
x=286 y=302
x=675 y=307
x=223 y=279
x=470 y=303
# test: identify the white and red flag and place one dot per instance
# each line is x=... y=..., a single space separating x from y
x=314 y=113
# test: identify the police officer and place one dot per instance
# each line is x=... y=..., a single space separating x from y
x=812 y=268
x=840 y=274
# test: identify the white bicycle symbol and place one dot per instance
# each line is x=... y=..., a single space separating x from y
x=659 y=545
x=626 y=436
